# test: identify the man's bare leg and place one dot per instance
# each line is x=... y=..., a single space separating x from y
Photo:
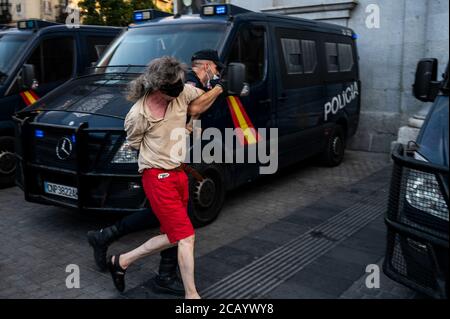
x=186 y=263
x=152 y=246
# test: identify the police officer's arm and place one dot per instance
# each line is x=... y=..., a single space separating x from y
x=204 y=102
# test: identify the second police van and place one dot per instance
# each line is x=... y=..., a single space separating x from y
x=36 y=57
x=298 y=76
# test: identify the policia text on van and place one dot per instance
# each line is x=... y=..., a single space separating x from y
x=35 y=58
x=303 y=79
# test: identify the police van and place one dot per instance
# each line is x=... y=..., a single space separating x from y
x=35 y=58
x=298 y=76
x=418 y=217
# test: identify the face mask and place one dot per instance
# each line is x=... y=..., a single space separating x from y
x=173 y=90
x=213 y=77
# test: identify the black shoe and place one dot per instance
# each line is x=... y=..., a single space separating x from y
x=100 y=240
x=171 y=285
x=117 y=273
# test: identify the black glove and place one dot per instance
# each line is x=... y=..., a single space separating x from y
x=223 y=83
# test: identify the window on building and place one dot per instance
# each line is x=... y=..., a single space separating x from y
x=249 y=48
x=47 y=7
x=19 y=8
x=54 y=65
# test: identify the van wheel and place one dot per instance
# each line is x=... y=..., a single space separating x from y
x=7 y=162
x=206 y=197
x=335 y=148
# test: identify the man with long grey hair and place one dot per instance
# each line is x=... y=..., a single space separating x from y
x=162 y=103
x=206 y=71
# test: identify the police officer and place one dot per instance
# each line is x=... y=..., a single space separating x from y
x=206 y=70
x=205 y=74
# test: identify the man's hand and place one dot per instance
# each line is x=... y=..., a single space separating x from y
x=222 y=83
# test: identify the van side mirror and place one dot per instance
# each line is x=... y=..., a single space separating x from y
x=28 y=77
x=235 y=78
x=426 y=87
x=100 y=49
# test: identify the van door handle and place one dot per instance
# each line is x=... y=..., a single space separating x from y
x=268 y=101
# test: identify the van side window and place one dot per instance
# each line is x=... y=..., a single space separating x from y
x=332 y=57
x=249 y=48
x=346 y=60
x=53 y=60
x=300 y=56
x=339 y=57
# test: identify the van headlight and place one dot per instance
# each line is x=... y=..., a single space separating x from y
x=423 y=193
x=125 y=155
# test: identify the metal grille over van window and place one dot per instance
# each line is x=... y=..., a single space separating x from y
x=309 y=56
x=292 y=56
x=332 y=57
x=339 y=57
x=345 y=57
x=299 y=55
x=50 y=63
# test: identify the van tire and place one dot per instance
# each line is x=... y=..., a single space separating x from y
x=333 y=155
x=7 y=162
x=206 y=198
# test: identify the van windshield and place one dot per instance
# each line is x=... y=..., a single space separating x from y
x=138 y=46
x=10 y=46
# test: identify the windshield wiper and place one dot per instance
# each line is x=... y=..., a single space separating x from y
x=126 y=68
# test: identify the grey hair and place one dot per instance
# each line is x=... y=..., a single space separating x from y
x=160 y=71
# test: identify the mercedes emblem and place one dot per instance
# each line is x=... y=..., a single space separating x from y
x=64 y=148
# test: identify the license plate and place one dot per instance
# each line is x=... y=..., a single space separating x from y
x=61 y=190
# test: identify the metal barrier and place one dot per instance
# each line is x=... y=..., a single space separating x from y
x=418 y=225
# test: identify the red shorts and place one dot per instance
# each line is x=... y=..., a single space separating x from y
x=168 y=194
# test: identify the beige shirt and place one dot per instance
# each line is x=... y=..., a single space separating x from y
x=152 y=137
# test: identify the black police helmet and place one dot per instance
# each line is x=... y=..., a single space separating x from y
x=208 y=55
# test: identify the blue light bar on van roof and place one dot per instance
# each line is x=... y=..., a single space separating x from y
x=149 y=14
x=212 y=10
x=33 y=24
x=221 y=10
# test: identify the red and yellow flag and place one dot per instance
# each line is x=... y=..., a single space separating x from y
x=29 y=97
x=246 y=132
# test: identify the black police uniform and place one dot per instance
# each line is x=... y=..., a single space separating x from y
x=192 y=78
